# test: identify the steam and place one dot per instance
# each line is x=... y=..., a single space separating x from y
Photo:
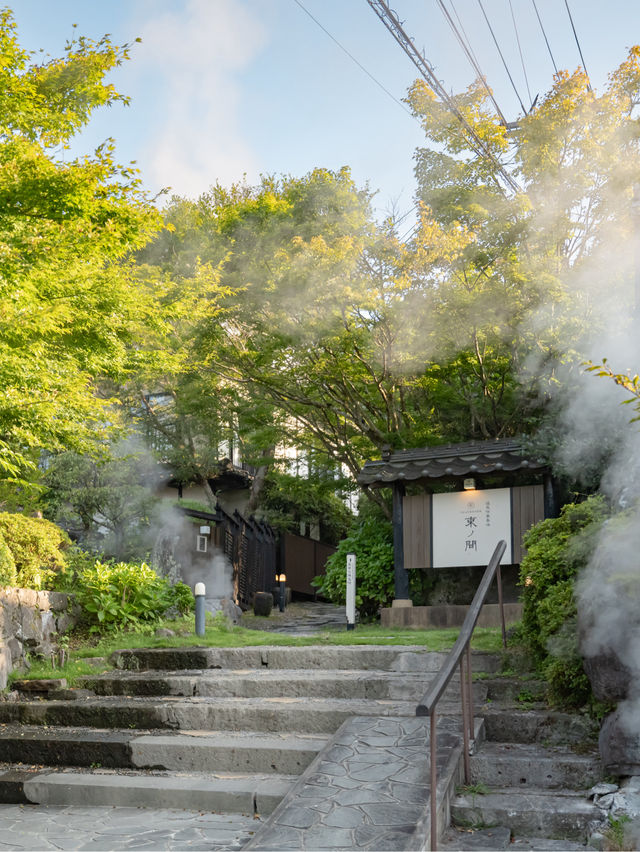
x=176 y=557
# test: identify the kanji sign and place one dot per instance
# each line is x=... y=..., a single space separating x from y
x=467 y=525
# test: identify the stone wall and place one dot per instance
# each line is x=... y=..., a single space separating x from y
x=30 y=622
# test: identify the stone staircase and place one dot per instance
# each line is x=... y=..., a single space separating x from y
x=245 y=731
x=529 y=778
x=313 y=747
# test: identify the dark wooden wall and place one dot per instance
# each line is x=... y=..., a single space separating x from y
x=302 y=559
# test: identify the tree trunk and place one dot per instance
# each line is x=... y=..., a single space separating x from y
x=258 y=481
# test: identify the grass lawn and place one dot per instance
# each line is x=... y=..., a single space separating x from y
x=89 y=654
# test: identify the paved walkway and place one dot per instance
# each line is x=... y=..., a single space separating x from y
x=301 y=618
x=35 y=827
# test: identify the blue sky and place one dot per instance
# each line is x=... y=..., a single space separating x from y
x=223 y=88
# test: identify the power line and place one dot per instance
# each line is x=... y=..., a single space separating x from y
x=524 y=70
x=506 y=67
x=555 y=67
x=575 y=35
x=393 y=24
x=353 y=58
x=472 y=59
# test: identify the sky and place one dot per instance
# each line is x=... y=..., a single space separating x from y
x=226 y=89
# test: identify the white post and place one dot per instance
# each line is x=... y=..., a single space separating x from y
x=351 y=591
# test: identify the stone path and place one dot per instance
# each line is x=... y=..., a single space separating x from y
x=36 y=827
x=302 y=618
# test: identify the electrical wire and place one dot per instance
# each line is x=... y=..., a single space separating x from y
x=353 y=58
x=555 y=67
x=524 y=70
x=575 y=35
x=476 y=144
x=472 y=58
x=506 y=67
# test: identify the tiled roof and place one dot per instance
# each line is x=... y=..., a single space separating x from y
x=453 y=460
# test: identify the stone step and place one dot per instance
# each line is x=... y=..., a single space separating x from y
x=499 y=838
x=520 y=764
x=546 y=727
x=401 y=658
x=198 y=751
x=285 y=683
x=302 y=715
x=222 y=792
x=537 y=813
x=514 y=689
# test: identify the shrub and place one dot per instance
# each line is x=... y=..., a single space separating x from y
x=372 y=542
x=37 y=547
x=121 y=595
x=557 y=549
x=371 y=539
x=8 y=574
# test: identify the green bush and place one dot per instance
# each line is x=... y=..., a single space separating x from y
x=557 y=549
x=8 y=574
x=371 y=539
x=123 y=595
x=37 y=547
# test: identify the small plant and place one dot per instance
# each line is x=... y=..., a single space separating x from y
x=615 y=833
x=123 y=594
x=477 y=789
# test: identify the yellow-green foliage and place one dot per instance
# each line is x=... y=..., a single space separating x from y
x=37 y=547
x=8 y=574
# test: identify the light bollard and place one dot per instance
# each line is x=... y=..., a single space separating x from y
x=200 y=611
x=282 y=580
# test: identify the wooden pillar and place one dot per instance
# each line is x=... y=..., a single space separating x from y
x=401 y=576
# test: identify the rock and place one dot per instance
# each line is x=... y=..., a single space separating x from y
x=40 y=685
x=619 y=747
x=164 y=632
x=605 y=802
x=609 y=677
x=597 y=841
x=227 y=607
x=10 y=697
x=602 y=788
x=6 y=665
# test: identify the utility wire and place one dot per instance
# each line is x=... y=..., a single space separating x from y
x=472 y=59
x=575 y=35
x=524 y=70
x=555 y=67
x=353 y=58
x=506 y=67
x=393 y=24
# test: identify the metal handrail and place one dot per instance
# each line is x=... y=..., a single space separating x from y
x=457 y=657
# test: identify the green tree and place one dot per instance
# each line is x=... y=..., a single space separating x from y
x=107 y=503
x=67 y=305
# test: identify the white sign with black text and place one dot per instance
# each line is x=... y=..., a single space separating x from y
x=351 y=591
x=467 y=525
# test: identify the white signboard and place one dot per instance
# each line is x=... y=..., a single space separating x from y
x=351 y=590
x=467 y=525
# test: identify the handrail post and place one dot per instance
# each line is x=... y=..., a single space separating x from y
x=470 y=694
x=500 y=601
x=465 y=723
x=434 y=780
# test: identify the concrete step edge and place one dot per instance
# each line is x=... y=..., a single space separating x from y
x=226 y=792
